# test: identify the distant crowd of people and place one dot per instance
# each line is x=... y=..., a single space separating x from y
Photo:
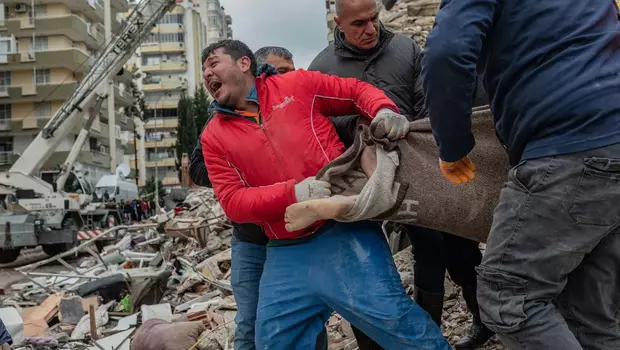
x=137 y=209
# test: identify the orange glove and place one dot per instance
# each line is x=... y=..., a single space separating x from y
x=458 y=172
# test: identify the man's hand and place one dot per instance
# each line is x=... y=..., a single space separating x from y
x=396 y=126
x=311 y=188
x=461 y=171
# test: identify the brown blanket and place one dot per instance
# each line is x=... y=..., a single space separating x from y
x=408 y=187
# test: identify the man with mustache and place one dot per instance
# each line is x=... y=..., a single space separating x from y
x=268 y=138
x=364 y=48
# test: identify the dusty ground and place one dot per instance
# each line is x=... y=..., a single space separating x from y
x=9 y=276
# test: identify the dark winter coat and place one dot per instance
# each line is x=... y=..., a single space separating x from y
x=393 y=66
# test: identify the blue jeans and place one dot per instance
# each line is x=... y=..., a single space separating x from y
x=347 y=268
x=247 y=268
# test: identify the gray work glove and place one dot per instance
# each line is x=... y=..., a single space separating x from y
x=311 y=188
x=396 y=126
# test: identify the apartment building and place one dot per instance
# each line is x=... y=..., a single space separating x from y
x=330 y=7
x=45 y=50
x=169 y=60
x=218 y=23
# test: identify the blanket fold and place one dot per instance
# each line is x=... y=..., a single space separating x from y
x=408 y=187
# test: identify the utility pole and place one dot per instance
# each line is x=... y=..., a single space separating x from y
x=135 y=155
x=107 y=14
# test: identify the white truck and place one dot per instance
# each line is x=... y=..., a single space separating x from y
x=116 y=186
x=35 y=212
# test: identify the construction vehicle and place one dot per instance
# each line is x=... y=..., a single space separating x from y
x=36 y=212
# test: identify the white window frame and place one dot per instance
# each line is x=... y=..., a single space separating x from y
x=43 y=110
x=42 y=76
x=40 y=43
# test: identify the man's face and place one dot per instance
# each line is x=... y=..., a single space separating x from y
x=359 y=21
x=282 y=64
x=224 y=77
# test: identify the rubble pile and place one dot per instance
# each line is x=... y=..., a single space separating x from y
x=413 y=18
x=165 y=282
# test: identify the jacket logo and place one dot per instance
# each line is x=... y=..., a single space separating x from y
x=287 y=100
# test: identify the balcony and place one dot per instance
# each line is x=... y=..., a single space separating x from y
x=93 y=10
x=126 y=77
x=165 y=85
x=171 y=181
x=162 y=104
x=37 y=93
x=72 y=26
x=165 y=143
x=161 y=123
x=122 y=97
x=168 y=28
x=162 y=47
x=71 y=58
x=162 y=162
x=165 y=66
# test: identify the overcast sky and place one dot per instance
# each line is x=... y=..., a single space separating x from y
x=301 y=28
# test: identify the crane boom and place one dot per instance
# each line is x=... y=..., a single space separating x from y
x=112 y=58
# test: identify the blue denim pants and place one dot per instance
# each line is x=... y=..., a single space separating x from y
x=247 y=268
x=347 y=268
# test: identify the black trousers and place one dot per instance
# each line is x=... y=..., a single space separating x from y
x=436 y=252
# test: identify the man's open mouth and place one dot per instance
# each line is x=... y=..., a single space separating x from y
x=215 y=85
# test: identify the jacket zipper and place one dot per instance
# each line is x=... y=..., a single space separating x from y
x=273 y=147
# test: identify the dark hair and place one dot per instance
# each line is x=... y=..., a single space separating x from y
x=235 y=48
x=262 y=53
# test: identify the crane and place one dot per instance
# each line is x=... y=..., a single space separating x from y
x=52 y=204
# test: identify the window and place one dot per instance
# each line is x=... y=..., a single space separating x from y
x=5 y=114
x=40 y=11
x=5 y=81
x=40 y=43
x=172 y=18
x=6 y=149
x=165 y=38
x=151 y=60
x=212 y=6
x=42 y=76
x=43 y=110
x=6 y=11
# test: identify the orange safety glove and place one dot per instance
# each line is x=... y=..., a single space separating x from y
x=459 y=172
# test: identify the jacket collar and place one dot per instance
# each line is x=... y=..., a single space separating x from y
x=263 y=72
x=343 y=49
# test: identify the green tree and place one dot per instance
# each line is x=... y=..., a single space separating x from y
x=137 y=110
x=186 y=129
x=148 y=189
x=201 y=102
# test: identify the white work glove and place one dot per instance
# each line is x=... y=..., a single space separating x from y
x=311 y=188
x=396 y=126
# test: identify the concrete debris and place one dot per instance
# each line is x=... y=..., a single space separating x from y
x=171 y=269
x=413 y=18
x=165 y=278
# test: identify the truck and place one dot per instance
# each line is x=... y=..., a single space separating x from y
x=116 y=186
x=35 y=212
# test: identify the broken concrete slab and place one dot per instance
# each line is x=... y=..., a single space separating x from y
x=13 y=323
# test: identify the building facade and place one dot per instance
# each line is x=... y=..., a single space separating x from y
x=169 y=62
x=330 y=7
x=45 y=50
x=218 y=23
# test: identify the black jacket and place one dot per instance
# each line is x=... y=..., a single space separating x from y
x=393 y=66
x=198 y=173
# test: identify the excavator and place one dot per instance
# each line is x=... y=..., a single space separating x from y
x=35 y=212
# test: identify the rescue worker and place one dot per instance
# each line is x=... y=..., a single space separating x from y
x=365 y=49
x=282 y=120
x=550 y=276
x=249 y=240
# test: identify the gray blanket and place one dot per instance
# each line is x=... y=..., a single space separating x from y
x=408 y=187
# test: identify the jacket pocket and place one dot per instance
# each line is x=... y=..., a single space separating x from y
x=597 y=198
x=501 y=297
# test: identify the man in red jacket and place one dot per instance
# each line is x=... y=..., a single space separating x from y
x=268 y=138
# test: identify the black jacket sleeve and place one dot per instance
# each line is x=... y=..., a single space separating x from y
x=419 y=107
x=197 y=168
